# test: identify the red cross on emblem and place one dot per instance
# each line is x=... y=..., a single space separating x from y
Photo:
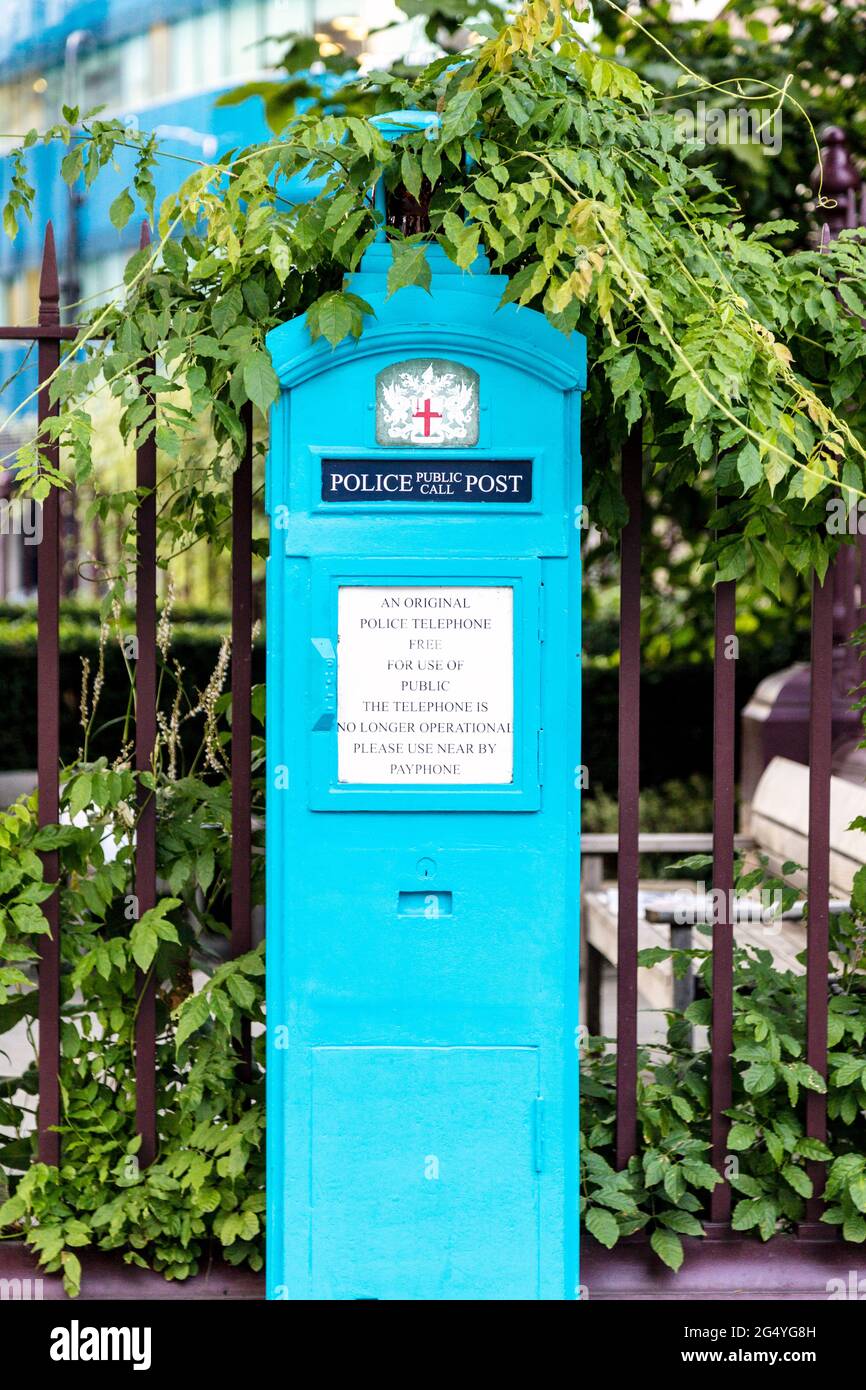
x=427 y=415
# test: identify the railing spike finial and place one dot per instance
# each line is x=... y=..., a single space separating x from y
x=144 y=239
x=841 y=182
x=840 y=171
x=49 y=281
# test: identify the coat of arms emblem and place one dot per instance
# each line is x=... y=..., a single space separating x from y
x=427 y=402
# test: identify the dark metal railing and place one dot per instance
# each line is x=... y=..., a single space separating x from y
x=629 y=844
x=723 y=842
x=48 y=714
x=629 y=793
x=49 y=333
x=817 y=937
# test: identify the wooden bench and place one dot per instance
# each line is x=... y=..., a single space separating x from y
x=668 y=909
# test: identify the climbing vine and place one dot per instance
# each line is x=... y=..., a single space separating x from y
x=567 y=171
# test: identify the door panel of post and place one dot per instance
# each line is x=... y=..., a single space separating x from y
x=424 y=1173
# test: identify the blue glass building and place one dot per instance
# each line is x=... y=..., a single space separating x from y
x=159 y=66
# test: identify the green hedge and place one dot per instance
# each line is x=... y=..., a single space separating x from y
x=676 y=700
x=196 y=638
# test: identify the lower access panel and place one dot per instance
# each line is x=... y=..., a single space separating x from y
x=424 y=1173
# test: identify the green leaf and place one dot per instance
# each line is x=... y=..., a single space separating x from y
x=410 y=173
x=226 y=310
x=465 y=242
x=257 y=703
x=798 y=1179
x=144 y=942
x=237 y=1225
x=10 y=875
x=121 y=209
x=410 y=266
x=260 y=380
x=741 y=1136
x=668 y=1246
x=28 y=918
x=241 y=991
x=813 y=1148
x=732 y=561
x=749 y=1213
x=623 y=372
x=174 y=256
x=851 y=297
x=759 y=1077
x=653 y=1168
x=682 y=1222
x=71 y=1266
x=807 y=1076
x=231 y=422
x=80 y=794
x=347 y=232
x=674 y=1183
x=331 y=317
x=745 y=1183
x=12 y=1210
x=749 y=467
x=682 y=1108
x=845 y=1169
x=192 y=1015
x=701 y=1175
x=204 y=869
x=518 y=102
x=72 y=164
x=168 y=440
x=849 y=1071
x=460 y=114
x=603 y=1225
x=256 y=300
x=854 y=1228
x=150 y=929
x=431 y=162
x=280 y=257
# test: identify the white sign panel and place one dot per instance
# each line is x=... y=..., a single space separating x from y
x=425 y=684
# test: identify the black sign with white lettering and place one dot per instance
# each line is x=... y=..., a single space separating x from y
x=415 y=480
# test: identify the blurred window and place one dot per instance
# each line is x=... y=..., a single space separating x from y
x=198 y=52
x=52 y=97
x=184 y=55
x=136 y=71
x=158 y=58
x=246 y=25
x=26 y=296
x=290 y=16
x=101 y=279
x=100 y=77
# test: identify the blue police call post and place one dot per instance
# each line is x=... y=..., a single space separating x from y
x=423 y=845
